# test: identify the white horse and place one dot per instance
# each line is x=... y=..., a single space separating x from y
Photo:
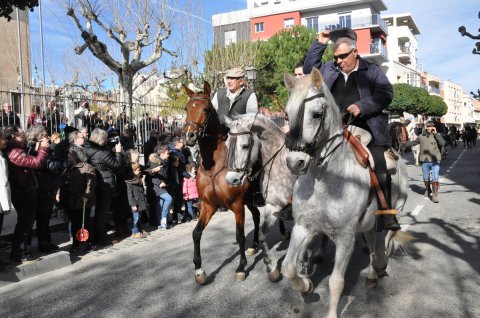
x=411 y=137
x=332 y=194
x=256 y=150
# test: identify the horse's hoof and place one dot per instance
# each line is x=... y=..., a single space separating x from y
x=286 y=236
x=251 y=251
x=307 y=286
x=200 y=278
x=274 y=276
x=371 y=282
x=239 y=276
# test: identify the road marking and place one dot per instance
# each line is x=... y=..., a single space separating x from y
x=350 y=299
x=417 y=210
x=452 y=165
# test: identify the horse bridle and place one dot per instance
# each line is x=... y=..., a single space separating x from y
x=247 y=168
x=310 y=148
x=292 y=144
x=200 y=127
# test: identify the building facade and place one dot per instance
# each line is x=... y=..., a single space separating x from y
x=10 y=59
x=264 y=18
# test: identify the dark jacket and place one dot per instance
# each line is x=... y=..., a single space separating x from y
x=51 y=175
x=21 y=168
x=158 y=177
x=80 y=183
x=376 y=92
x=135 y=193
x=105 y=163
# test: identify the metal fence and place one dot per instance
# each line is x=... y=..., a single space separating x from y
x=79 y=111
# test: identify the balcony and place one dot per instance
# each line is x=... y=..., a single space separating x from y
x=374 y=22
x=404 y=56
x=378 y=53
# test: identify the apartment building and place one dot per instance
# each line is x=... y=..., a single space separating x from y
x=264 y=18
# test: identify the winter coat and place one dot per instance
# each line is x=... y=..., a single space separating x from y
x=5 y=196
x=21 y=168
x=80 y=183
x=158 y=177
x=105 y=163
x=190 y=191
x=135 y=193
x=375 y=91
x=430 y=145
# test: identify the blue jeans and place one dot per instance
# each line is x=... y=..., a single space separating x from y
x=163 y=205
x=434 y=167
x=135 y=216
x=189 y=206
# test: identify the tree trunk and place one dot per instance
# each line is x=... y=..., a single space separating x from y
x=126 y=91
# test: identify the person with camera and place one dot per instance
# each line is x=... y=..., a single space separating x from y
x=50 y=178
x=24 y=185
x=106 y=162
x=430 y=142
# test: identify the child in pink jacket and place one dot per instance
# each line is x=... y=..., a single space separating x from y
x=190 y=192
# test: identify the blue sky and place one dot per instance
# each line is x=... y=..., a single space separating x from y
x=442 y=51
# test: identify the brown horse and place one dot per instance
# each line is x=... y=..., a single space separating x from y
x=203 y=126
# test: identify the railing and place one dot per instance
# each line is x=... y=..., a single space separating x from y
x=359 y=22
x=111 y=115
x=376 y=47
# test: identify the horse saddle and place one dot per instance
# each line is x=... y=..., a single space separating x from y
x=363 y=154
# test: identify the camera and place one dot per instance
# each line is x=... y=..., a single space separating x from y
x=113 y=140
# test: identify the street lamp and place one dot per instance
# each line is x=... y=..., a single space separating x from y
x=251 y=74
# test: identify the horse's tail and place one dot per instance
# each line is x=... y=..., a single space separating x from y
x=401 y=239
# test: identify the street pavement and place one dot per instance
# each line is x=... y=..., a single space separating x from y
x=154 y=277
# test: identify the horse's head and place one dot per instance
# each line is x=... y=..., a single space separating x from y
x=313 y=115
x=243 y=149
x=199 y=110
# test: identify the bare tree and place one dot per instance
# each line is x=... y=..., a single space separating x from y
x=124 y=13
x=463 y=31
x=221 y=59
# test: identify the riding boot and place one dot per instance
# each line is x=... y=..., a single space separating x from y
x=428 y=190
x=435 y=186
x=386 y=221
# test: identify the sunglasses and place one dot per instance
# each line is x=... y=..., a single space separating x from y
x=342 y=56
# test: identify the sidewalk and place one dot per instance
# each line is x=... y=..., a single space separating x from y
x=44 y=263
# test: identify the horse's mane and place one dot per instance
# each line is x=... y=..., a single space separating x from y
x=268 y=129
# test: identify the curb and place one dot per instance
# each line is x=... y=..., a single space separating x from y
x=37 y=267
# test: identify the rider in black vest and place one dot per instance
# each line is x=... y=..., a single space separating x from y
x=235 y=100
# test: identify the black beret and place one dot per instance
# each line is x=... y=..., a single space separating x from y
x=342 y=33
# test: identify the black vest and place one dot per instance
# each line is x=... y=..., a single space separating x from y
x=239 y=106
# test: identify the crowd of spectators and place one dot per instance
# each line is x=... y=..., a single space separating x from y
x=95 y=173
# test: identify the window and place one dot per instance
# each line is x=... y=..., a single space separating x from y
x=312 y=23
x=230 y=37
x=288 y=23
x=259 y=27
x=345 y=20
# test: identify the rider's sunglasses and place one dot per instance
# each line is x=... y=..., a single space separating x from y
x=342 y=56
